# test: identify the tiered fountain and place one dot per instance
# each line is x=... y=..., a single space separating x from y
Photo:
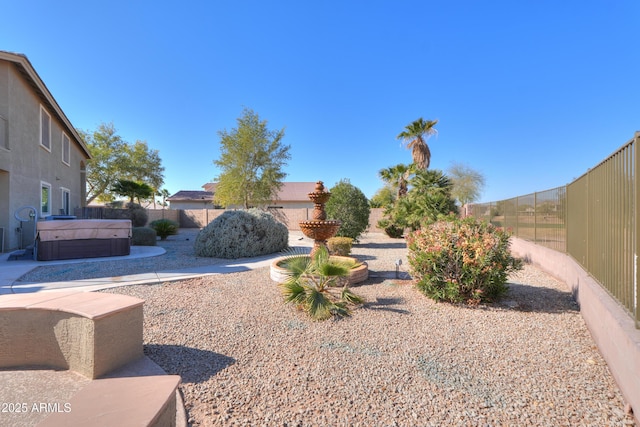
x=320 y=230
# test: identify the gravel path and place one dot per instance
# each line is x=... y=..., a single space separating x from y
x=401 y=360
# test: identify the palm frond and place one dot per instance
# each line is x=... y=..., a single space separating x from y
x=293 y=251
x=332 y=270
x=350 y=298
x=321 y=256
x=318 y=305
x=296 y=266
x=340 y=310
x=293 y=292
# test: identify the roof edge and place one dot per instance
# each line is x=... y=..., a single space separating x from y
x=21 y=60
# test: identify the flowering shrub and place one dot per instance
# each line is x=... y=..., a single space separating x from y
x=461 y=260
x=242 y=233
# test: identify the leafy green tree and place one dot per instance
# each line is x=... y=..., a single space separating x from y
x=384 y=197
x=350 y=206
x=113 y=159
x=415 y=134
x=144 y=165
x=467 y=183
x=251 y=162
x=106 y=163
x=133 y=190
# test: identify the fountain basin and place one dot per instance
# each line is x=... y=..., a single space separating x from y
x=358 y=274
x=319 y=229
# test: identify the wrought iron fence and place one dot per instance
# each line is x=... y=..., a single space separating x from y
x=593 y=219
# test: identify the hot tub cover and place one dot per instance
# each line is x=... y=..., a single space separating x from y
x=81 y=229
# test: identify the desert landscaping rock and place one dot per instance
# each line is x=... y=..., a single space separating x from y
x=248 y=359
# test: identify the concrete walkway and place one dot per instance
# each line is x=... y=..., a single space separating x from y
x=11 y=271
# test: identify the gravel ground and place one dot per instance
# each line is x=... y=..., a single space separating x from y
x=401 y=360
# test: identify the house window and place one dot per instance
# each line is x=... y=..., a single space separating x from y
x=66 y=149
x=45 y=129
x=4 y=138
x=45 y=199
x=65 y=201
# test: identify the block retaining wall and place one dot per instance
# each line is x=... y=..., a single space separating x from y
x=198 y=218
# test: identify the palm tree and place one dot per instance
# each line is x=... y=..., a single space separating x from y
x=429 y=197
x=415 y=134
x=398 y=177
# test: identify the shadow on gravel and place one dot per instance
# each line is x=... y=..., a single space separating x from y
x=192 y=364
x=386 y=245
x=537 y=299
x=386 y=304
x=380 y=277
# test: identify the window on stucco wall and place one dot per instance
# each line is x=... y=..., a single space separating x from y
x=45 y=129
x=4 y=135
x=66 y=149
x=45 y=199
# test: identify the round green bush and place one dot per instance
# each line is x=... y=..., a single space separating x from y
x=340 y=245
x=350 y=206
x=461 y=260
x=242 y=233
x=138 y=215
x=143 y=236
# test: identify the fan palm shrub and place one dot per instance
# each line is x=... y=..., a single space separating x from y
x=319 y=285
x=164 y=228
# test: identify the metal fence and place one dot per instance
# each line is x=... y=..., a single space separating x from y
x=593 y=219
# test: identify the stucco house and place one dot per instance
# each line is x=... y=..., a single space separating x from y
x=291 y=195
x=186 y=199
x=42 y=157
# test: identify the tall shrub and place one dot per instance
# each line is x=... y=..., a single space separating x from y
x=461 y=260
x=350 y=206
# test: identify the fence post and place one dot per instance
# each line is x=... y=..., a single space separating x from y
x=535 y=217
x=636 y=273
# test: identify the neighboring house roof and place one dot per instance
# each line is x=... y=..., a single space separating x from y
x=25 y=68
x=191 y=196
x=289 y=192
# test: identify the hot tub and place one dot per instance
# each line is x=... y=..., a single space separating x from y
x=82 y=238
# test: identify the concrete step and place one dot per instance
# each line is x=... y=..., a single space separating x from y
x=124 y=402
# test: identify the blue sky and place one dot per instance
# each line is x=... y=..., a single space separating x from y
x=530 y=93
